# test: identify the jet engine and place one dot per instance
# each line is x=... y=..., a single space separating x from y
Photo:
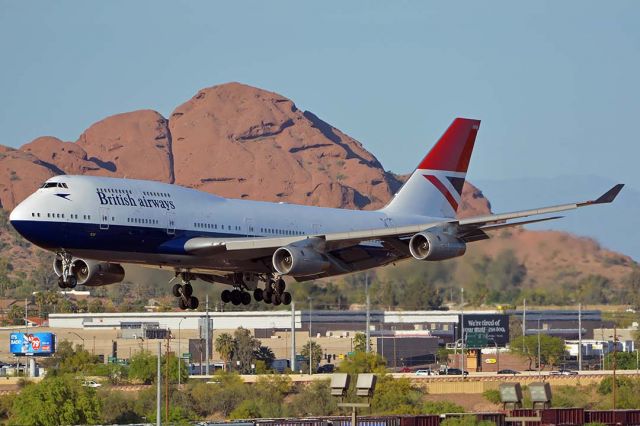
x=436 y=246
x=92 y=273
x=299 y=261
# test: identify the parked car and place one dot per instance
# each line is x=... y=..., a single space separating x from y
x=405 y=370
x=326 y=369
x=424 y=372
x=455 y=372
x=91 y=384
x=508 y=371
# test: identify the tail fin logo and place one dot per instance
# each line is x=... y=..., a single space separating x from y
x=448 y=183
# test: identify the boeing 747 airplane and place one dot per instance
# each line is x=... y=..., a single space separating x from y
x=95 y=224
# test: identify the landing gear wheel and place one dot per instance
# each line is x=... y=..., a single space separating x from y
x=187 y=290
x=280 y=286
x=72 y=282
x=276 y=300
x=245 y=297
x=258 y=294
x=268 y=297
x=236 y=297
x=176 y=290
x=225 y=296
x=286 y=298
x=193 y=302
x=181 y=304
x=61 y=283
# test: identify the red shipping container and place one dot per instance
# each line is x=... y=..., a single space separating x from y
x=496 y=418
x=563 y=416
x=633 y=417
x=431 y=420
x=610 y=417
x=525 y=412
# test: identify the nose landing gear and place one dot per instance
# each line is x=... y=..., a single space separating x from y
x=63 y=266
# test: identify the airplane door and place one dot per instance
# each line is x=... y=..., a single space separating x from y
x=171 y=223
x=249 y=228
x=104 y=218
x=316 y=229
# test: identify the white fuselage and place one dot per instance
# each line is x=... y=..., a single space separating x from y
x=136 y=221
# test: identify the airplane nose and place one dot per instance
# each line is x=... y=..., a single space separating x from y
x=17 y=213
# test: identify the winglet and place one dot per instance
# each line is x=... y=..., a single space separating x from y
x=607 y=197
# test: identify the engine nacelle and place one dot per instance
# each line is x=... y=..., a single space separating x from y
x=436 y=246
x=299 y=261
x=92 y=273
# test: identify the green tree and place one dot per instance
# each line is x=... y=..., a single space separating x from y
x=118 y=408
x=396 y=396
x=551 y=349
x=143 y=367
x=245 y=346
x=439 y=407
x=225 y=346
x=56 y=401
x=314 y=399
x=624 y=360
x=362 y=362
x=16 y=314
x=264 y=354
x=360 y=342
x=313 y=349
x=70 y=359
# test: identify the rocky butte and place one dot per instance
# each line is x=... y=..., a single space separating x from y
x=239 y=141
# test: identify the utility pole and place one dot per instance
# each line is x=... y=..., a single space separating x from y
x=368 y=332
x=293 y=337
x=310 y=341
x=579 y=336
x=159 y=387
x=524 y=322
x=207 y=338
x=539 y=357
x=166 y=378
x=462 y=327
x=615 y=351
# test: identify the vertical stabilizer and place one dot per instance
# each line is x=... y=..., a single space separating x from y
x=435 y=187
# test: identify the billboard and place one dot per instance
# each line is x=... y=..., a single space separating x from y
x=32 y=343
x=489 y=329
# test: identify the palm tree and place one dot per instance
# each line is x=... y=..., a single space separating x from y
x=225 y=345
x=41 y=300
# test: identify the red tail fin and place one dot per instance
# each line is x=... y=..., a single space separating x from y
x=435 y=187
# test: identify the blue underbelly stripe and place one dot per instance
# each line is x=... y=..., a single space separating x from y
x=89 y=236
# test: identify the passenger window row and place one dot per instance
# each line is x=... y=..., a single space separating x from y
x=61 y=216
x=144 y=221
x=115 y=190
x=155 y=194
x=280 y=231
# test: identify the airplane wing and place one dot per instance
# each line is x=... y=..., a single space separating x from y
x=468 y=229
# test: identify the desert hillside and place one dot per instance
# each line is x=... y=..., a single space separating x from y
x=239 y=141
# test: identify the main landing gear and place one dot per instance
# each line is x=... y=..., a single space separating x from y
x=184 y=292
x=273 y=293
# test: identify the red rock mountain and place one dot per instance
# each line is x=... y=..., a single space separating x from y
x=232 y=140
x=239 y=141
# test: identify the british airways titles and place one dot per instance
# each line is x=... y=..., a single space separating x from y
x=128 y=200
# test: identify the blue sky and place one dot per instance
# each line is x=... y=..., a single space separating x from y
x=555 y=83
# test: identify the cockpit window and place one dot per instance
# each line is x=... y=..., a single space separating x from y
x=54 y=185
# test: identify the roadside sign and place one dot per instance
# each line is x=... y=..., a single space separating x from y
x=186 y=355
x=476 y=340
x=490 y=361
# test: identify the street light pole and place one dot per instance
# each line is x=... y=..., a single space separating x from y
x=580 y=337
x=615 y=351
x=462 y=327
x=310 y=338
x=81 y=338
x=179 y=353
x=539 y=357
x=368 y=333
